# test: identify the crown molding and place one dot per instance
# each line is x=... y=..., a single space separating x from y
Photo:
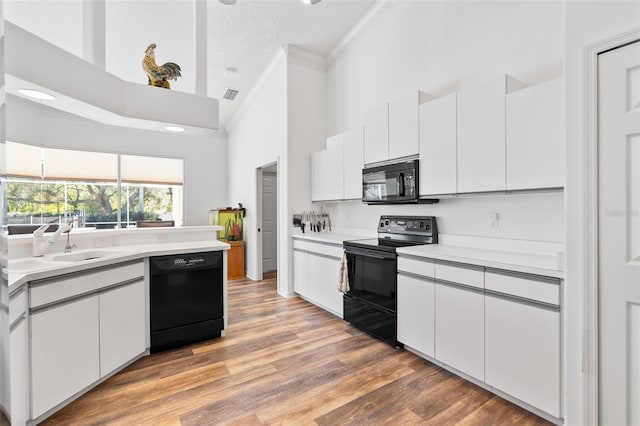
x=374 y=11
x=299 y=56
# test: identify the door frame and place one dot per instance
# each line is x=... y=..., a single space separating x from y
x=259 y=169
x=590 y=257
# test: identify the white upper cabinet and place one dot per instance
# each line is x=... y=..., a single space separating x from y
x=337 y=171
x=376 y=134
x=481 y=135
x=438 y=146
x=535 y=142
x=391 y=129
x=403 y=123
x=334 y=168
x=318 y=172
x=353 y=163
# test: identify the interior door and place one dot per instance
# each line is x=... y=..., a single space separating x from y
x=269 y=222
x=619 y=235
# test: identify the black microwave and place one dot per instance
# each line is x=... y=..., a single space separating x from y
x=391 y=183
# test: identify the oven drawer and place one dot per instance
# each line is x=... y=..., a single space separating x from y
x=370 y=319
x=469 y=275
x=423 y=267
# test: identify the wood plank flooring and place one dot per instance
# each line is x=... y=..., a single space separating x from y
x=285 y=361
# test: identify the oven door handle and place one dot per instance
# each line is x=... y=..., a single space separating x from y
x=370 y=254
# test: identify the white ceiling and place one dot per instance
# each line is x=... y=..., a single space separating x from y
x=245 y=36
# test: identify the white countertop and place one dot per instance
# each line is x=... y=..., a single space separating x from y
x=512 y=261
x=120 y=254
x=328 y=237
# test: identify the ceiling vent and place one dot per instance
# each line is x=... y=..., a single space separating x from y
x=230 y=94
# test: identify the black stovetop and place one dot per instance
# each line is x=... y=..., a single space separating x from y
x=400 y=231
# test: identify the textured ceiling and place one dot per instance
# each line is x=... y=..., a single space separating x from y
x=245 y=36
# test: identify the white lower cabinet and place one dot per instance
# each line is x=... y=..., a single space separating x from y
x=301 y=272
x=460 y=328
x=523 y=351
x=65 y=352
x=122 y=326
x=315 y=273
x=19 y=350
x=416 y=316
x=323 y=282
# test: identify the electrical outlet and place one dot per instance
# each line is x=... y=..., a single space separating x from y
x=162 y=238
x=494 y=218
x=99 y=242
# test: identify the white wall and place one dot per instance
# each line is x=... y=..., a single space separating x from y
x=205 y=157
x=306 y=124
x=283 y=119
x=258 y=137
x=586 y=23
x=439 y=47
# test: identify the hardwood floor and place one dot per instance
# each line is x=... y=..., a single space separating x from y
x=285 y=361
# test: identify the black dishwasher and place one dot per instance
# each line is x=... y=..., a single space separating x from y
x=186 y=293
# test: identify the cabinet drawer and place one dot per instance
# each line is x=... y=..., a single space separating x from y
x=425 y=267
x=462 y=274
x=328 y=250
x=540 y=290
x=300 y=245
x=50 y=291
x=17 y=306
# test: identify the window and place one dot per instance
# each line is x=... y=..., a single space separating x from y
x=48 y=185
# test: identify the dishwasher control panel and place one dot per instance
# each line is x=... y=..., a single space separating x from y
x=182 y=262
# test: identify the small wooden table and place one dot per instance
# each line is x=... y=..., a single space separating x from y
x=235 y=260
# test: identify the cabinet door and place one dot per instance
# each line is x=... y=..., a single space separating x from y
x=535 y=137
x=438 y=147
x=376 y=134
x=481 y=136
x=523 y=352
x=122 y=326
x=403 y=125
x=65 y=352
x=416 y=315
x=19 y=371
x=353 y=163
x=318 y=181
x=460 y=329
x=334 y=168
x=323 y=283
x=301 y=272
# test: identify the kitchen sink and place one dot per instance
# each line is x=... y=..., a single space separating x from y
x=29 y=264
x=79 y=256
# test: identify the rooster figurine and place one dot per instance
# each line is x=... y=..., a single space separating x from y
x=159 y=75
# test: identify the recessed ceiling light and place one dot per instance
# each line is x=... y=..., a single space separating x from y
x=310 y=1
x=176 y=129
x=228 y=2
x=36 y=94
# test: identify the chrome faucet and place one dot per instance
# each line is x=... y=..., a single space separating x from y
x=68 y=247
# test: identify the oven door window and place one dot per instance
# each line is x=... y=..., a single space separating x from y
x=373 y=279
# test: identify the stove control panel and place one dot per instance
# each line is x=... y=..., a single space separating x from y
x=424 y=225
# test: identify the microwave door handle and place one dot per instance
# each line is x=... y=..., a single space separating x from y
x=401 y=184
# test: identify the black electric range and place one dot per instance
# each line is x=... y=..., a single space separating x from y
x=371 y=302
